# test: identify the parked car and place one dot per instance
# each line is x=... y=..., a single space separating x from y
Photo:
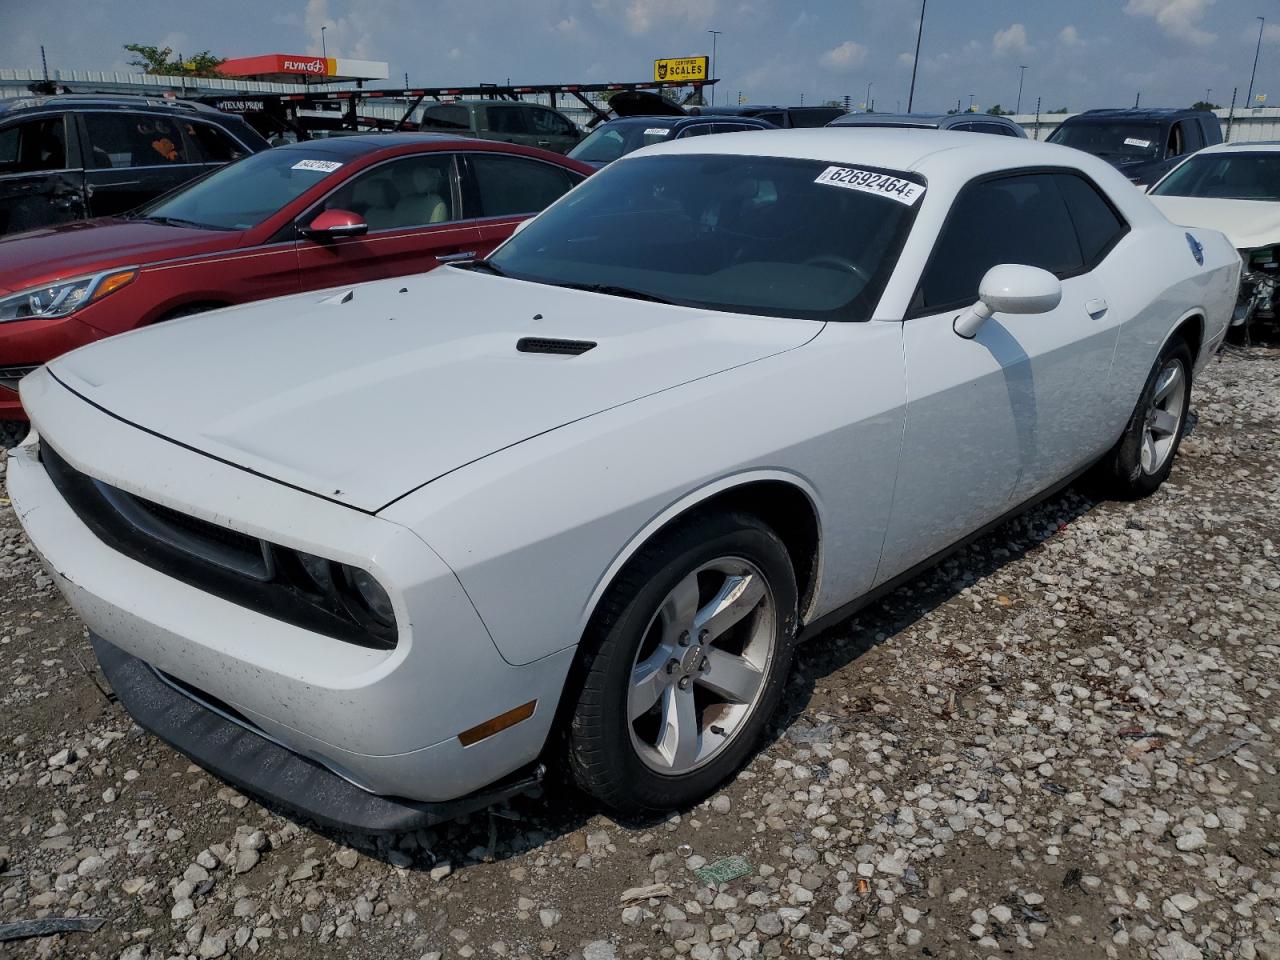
x=374 y=556
x=1234 y=188
x=778 y=116
x=962 y=122
x=1142 y=144
x=617 y=138
x=510 y=121
x=72 y=156
x=298 y=217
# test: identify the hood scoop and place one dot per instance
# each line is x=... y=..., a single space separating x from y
x=554 y=345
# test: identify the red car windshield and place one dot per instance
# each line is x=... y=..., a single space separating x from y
x=243 y=194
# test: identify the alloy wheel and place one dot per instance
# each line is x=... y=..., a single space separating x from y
x=702 y=665
x=1164 y=417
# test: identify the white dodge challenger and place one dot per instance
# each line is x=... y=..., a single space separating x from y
x=378 y=554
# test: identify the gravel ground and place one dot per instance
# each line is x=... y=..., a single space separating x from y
x=1064 y=739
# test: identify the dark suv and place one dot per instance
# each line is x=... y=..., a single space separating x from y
x=73 y=156
x=617 y=138
x=1143 y=144
x=510 y=121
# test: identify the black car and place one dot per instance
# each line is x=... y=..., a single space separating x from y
x=1143 y=144
x=778 y=116
x=73 y=156
x=617 y=138
x=963 y=122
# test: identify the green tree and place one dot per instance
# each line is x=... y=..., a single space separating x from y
x=998 y=111
x=162 y=60
x=1205 y=105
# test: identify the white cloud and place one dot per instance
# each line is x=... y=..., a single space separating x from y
x=1012 y=39
x=359 y=35
x=1177 y=18
x=1069 y=36
x=845 y=57
x=641 y=16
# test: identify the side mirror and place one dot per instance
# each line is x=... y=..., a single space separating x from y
x=332 y=224
x=1010 y=288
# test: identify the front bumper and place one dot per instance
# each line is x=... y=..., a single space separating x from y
x=268 y=770
x=387 y=721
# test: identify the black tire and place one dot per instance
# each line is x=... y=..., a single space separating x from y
x=1121 y=474
x=602 y=757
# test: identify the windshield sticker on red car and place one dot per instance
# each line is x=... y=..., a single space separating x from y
x=322 y=166
x=1135 y=142
x=656 y=132
x=881 y=184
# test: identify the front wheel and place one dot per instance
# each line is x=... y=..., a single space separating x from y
x=685 y=662
x=1142 y=459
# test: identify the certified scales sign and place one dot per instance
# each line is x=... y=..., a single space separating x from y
x=681 y=68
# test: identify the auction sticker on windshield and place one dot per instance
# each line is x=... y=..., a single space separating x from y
x=1135 y=142
x=656 y=132
x=881 y=184
x=323 y=166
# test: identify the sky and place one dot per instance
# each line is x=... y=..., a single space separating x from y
x=1078 y=53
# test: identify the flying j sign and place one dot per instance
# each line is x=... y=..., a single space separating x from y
x=681 y=68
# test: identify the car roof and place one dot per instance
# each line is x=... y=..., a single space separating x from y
x=363 y=143
x=1256 y=146
x=1137 y=113
x=99 y=101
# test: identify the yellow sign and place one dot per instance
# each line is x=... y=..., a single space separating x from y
x=686 y=69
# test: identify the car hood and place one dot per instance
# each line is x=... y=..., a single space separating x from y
x=1247 y=223
x=362 y=394
x=73 y=249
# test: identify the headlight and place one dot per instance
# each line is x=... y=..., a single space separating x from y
x=64 y=297
x=355 y=590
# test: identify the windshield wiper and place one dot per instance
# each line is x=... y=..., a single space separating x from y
x=484 y=265
x=613 y=290
x=179 y=222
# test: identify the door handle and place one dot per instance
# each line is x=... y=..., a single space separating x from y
x=544 y=143
x=455 y=257
x=1096 y=307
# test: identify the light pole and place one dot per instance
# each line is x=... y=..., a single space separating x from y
x=1248 y=98
x=1207 y=91
x=324 y=50
x=867 y=105
x=911 y=95
x=715 y=35
x=970 y=110
x=1022 y=72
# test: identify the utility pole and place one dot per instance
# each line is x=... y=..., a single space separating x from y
x=1022 y=72
x=1037 y=131
x=1207 y=91
x=970 y=110
x=406 y=79
x=715 y=35
x=1231 y=114
x=324 y=50
x=1137 y=99
x=1248 y=97
x=911 y=95
x=867 y=104
x=44 y=64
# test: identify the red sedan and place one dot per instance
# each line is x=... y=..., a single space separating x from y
x=299 y=217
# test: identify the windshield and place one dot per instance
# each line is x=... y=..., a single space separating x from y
x=759 y=235
x=610 y=142
x=1137 y=140
x=1225 y=176
x=243 y=194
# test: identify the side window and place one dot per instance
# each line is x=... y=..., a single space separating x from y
x=736 y=127
x=1015 y=219
x=1177 y=145
x=774 y=118
x=213 y=144
x=695 y=130
x=548 y=121
x=39 y=144
x=506 y=119
x=998 y=129
x=513 y=185
x=413 y=192
x=1193 y=139
x=133 y=140
x=1097 y=224
x=446 y=118
x=962 y=127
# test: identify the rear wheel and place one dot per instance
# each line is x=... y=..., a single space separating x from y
x=1141 y=461
x=685 y=662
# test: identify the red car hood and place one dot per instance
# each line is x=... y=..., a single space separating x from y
x=73 y=249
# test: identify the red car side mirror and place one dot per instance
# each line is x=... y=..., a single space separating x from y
x=332 y=224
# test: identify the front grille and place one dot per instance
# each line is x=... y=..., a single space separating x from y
x=226 y=563
x=9 y=376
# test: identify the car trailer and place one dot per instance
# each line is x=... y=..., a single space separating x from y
x=277 y=111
